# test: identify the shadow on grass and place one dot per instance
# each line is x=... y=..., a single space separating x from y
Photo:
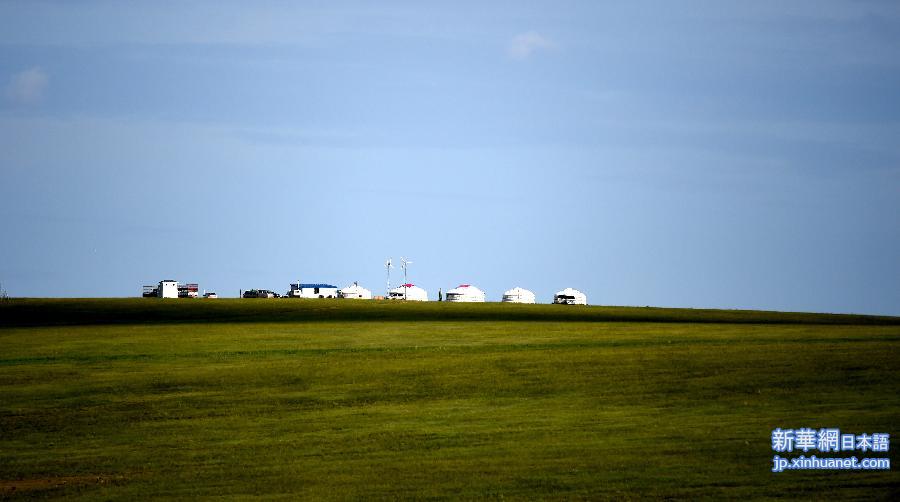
x=28 y=312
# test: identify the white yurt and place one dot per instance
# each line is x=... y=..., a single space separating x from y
x=570 y=296
x=518 y=295
x=355 y=291
x=409 y=292
x=465 y=293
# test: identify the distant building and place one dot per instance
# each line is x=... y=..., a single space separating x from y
x=570 y=296
x=355 y=291
x=167 y=289
x=518 y=295
x=465 y=293
x=409 y=292
x=313 y=291
x=188 y=291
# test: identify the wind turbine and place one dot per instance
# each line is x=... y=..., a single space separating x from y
x=389 y=265
x=404 y=263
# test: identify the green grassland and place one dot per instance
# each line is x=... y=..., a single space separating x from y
x=286 y=399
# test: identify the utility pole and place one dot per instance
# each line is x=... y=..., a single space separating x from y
x=404 y=263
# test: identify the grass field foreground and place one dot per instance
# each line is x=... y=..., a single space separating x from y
x=340 y=399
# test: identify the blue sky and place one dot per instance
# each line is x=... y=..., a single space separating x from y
x=689 y=154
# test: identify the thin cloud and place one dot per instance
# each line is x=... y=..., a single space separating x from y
x=27 y=87
x=523 y=45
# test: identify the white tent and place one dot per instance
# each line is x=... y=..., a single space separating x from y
x=355 y=291
x=570 y=296
x=518 y=295
x=465 y=293
x=409 y=292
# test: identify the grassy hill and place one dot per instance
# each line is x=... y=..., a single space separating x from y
x=47 y=312
x=345 y=399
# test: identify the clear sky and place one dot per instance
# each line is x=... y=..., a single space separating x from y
x=691 y=154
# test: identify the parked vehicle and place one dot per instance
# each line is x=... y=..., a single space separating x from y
x=260 y=293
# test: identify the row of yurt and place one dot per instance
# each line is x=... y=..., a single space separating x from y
x=567 y=296
x=469 y=293
x=409 y=292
